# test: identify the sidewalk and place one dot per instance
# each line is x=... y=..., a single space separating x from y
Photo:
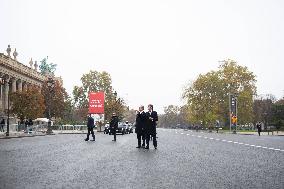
x=280 y=133
x=20 y=135
x=55 y=132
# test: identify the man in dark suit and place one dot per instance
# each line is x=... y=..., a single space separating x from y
x=152 y=118
x=113 y=124
x=140 y=125
x=90 y=125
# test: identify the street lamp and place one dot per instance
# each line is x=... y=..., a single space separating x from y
x=3 y=82
x=50 y=85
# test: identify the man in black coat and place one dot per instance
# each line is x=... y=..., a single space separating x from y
x=90 y=125
x=258 y=126
x=113 y=124
x=140 y=125
x=152 y=118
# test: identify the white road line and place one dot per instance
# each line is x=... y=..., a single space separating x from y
x=240 y=143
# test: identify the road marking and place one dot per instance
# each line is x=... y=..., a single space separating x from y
x=228 y=141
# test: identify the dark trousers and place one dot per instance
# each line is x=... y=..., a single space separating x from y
x=258 y=132
x=139 y=138
x=114 y=134
x=154 y=139
x=2 y=128
x=90 y=130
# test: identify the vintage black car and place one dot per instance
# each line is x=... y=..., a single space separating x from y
x=120 y=129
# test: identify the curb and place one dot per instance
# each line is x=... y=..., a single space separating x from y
x=20 y=136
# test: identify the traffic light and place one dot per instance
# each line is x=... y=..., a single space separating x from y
x=234 y=119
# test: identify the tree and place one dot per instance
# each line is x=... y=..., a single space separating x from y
x=95 y=81
x=278 y=113
x=28 y=104
x=207 y=97
x=47 y=68
x=263 y=109
x=60 y=102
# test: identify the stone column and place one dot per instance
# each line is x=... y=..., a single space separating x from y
x=14 y=85
x=6 y=93
x=25 y=87
x=1 y=98
x=20 y=85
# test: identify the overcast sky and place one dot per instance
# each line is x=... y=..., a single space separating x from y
x=152 y=49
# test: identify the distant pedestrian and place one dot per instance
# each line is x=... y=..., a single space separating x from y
x=2 y=124
x=113 y=125
x=258 y=126
x=90 y=125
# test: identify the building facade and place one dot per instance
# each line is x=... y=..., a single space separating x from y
x=18 y=77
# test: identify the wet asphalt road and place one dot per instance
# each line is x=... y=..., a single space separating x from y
x=184 y=159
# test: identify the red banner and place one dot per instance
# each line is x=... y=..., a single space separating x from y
x=96 y=102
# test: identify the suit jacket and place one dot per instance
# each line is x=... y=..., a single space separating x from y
x=140 y=122
x=91 y=123
x=113 y=122
x=151 y=123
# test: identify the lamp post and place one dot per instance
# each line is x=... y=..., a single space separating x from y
x=233 y=110
x=3 y=82
x=50 y=85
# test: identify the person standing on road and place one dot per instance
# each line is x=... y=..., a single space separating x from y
x=90 y=125
x=152 y=118
x=2 y=124
x=258 y=126
x=114 y=125
x=140 y=125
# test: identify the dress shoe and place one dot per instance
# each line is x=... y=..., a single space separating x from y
x=86 y=139
x=138 y=147
x=155 y=147
x=114 y=140
x=147 y=147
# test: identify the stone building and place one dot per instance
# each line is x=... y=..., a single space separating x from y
x=18 y=77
